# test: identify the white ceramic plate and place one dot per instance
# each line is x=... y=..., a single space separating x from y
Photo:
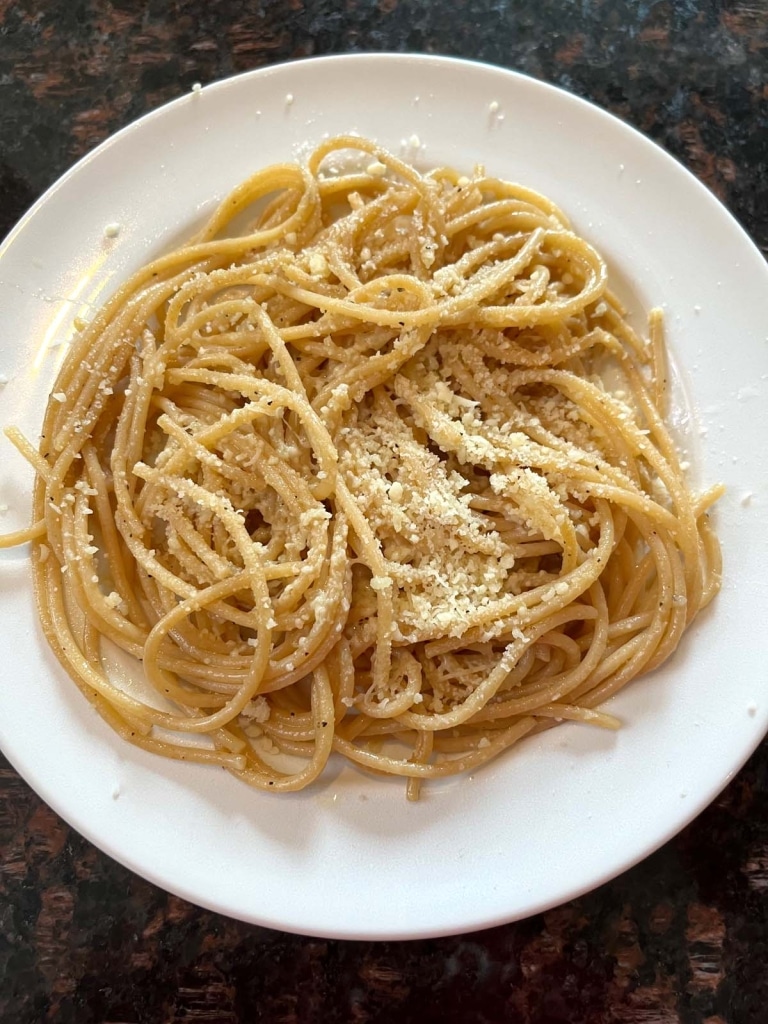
x=568 y=809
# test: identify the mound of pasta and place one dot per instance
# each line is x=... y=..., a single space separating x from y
x=373 y=465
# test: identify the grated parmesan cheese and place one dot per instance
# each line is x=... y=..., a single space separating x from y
x=318 y=265
x=256 y=710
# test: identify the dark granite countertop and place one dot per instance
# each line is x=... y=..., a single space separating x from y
x=683 y=937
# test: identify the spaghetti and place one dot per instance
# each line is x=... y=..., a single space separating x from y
x=385 y=473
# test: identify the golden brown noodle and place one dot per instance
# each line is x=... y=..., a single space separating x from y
x=386 y=474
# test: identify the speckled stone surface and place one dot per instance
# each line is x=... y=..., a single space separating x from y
x=681 y=938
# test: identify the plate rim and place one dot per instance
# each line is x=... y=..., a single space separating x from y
x=92 y=832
